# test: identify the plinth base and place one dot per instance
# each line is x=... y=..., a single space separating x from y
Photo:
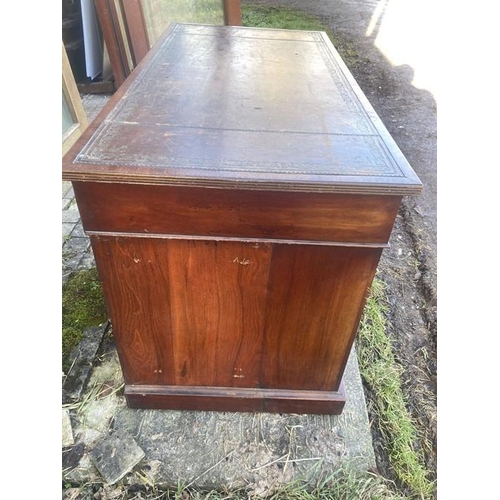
x=167 y=397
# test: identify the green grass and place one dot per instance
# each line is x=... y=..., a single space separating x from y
x=83 y=307
x=382 y=375
x=279 y=17
x=343 y=484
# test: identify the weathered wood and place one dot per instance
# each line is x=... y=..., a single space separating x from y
x=238 y=190
x=235 y=399
x=232 y=12
x=136 y=27
x=106 y=87
x=233 y=314
x=72 y=97
x=106 y=13
x=237 y=213
x=202 y=307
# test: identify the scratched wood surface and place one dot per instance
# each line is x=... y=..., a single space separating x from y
x=236 y=213
x=233 y=314
x=186 y=312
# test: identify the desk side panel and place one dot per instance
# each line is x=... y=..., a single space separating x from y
x=233 y=314
x=187 y=313
x=316 y=296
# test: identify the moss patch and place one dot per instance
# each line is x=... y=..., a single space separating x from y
x=83 y=306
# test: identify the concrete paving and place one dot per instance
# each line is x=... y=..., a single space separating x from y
x=207 y=450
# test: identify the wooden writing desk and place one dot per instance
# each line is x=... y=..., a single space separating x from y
x=238 y=191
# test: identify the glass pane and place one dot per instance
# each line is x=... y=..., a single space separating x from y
x=159 y=13
x=67 y=117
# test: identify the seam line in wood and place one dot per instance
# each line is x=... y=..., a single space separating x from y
x=116 y=234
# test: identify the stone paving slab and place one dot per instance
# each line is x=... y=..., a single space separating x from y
x=81 y=362
x=115 y=456
x=67 y=431
x=214 y=450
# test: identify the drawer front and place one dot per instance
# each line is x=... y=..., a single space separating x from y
x=170 y=210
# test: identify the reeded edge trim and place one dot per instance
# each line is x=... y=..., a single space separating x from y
x=410 y=189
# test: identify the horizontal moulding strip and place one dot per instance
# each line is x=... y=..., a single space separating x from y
x=395 y=188
x=250 y=392
x=148 y=235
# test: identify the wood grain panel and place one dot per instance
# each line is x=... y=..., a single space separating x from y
x=218 y=294
x=135 y=280
x=185 y=312
x=239 y=213
x=315 y=300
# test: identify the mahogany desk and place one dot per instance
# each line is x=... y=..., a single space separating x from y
x=238 y=191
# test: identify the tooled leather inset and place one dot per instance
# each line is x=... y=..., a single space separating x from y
x=153 y=141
